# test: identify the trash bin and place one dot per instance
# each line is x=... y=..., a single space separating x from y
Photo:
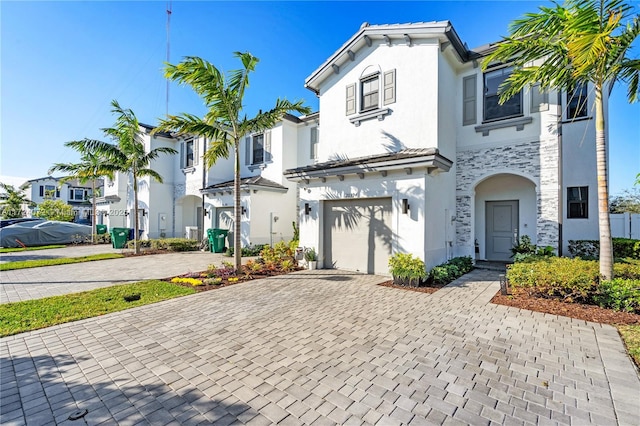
x=216 y=239
x=101 y=229
x=132 y=232
x=119 y=237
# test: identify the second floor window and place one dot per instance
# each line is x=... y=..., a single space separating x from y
x=49 y=191
x=492 y=108
x=76 y=194
x=577 y=102
x=370 y=90
x=188 y=159
x=258 y=149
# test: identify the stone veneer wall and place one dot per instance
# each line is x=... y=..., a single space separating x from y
x=537 y=160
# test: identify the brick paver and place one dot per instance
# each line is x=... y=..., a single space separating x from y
x=322 y=347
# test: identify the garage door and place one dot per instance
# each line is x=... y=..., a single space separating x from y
x=358 y=234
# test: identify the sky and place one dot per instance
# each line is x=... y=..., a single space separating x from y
x=63 y=62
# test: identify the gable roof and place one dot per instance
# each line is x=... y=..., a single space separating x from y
x=254 y=182
x=393 y=32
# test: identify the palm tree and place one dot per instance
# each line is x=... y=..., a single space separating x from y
x=92 y=166
x=11 y=206
x=225 y=122
x=560 y=47
x=128 y=155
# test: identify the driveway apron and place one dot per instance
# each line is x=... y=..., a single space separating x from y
x=321 y=347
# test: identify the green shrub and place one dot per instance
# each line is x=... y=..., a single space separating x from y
x=572 y=280
x=451 y=270
x=170 y=244
x=619 y=294
x=251 y=251
x=406 y=269
x=590 y=249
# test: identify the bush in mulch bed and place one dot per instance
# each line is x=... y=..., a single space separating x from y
x=437 y=278
x=226 y=275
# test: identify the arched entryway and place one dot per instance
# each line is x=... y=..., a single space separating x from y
x=505 y=209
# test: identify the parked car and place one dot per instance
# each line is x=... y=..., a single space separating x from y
x=7 y=222
x=39 y=233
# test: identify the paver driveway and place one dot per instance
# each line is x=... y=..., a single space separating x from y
x=322 y=348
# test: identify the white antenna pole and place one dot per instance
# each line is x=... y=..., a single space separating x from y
x=168 y=50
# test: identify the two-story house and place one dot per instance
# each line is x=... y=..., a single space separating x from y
x=416 y=155
x=70 y=192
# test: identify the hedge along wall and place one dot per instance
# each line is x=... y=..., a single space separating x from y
x=590 y=249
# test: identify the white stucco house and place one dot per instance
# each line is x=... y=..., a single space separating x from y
x=71 y=192
x=416 y=155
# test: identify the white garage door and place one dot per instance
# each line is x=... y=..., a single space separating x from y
x=358 y=234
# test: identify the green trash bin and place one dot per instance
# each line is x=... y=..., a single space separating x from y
x=101 y=229
x=216 y=239
x=119 y=237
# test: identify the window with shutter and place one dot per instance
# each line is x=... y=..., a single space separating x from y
x=258 y=149
x=389 y=93
x=369 y=93
x=313 y=148
x=493 y=109
x=469 y=108
x=267 y=146
x=189 y=151
x=351 y=99
x=41 y=191
x=247 y=150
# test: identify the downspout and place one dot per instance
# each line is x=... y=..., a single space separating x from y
x=560 y=182
x=204 y=185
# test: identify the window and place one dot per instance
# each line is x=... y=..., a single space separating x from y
x=578 y=202
x=492 y=108
x=258 y=149
x=313 y=147
x=369 y=89
x=76 y=194
x=50 y=191
x=577 y=102
x=188 y=159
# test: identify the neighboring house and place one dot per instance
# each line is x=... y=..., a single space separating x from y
x=70 y=192
x=193 y=198
x=416 y=155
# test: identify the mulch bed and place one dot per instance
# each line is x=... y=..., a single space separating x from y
x=225 y=282
x=423 y=289
x=520 y=299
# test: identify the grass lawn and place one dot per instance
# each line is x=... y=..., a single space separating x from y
x=631 y=337
x=31 y=315
x=17 y=249
x=22 y=264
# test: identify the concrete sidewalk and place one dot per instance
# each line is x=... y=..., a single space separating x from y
x=322 y=347
x=35 y=283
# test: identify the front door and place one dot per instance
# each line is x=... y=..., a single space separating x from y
x=502 y=229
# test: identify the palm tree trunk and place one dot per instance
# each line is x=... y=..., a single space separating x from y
x=135 y=212
x=606 y=248
x=93 y=212
x=237 y=250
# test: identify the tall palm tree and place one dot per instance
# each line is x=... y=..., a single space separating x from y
x=92 y=166
x=11 y=206
x=582 y=41
x=127 y=155
x=225 y=122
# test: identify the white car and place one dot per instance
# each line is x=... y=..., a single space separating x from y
x=40 y=233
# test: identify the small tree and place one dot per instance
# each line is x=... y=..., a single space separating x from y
x=12 y=206
x=55 y=210
x=627 y=202
x=92 y=166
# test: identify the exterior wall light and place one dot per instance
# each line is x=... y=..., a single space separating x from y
x=307 y=209
x=405 y=206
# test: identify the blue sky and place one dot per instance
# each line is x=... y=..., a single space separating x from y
x=63 y=62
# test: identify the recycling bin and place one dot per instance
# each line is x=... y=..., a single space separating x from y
x=216 y=239
x=119 y=237
x=101 y=229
